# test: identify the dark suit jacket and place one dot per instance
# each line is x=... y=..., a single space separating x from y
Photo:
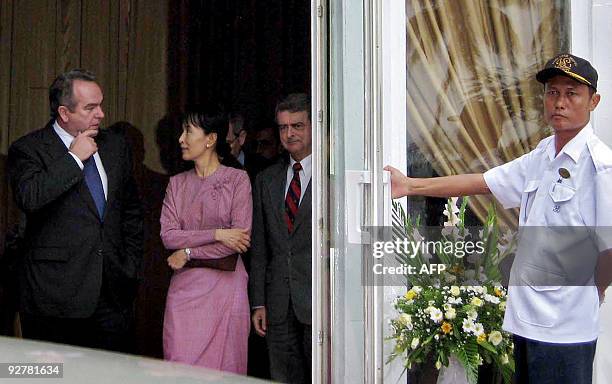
x=69 y=250
x=280 y=262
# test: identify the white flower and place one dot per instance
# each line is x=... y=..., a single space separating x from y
x=438 y=364
x=468 y=326
x=472 y=315
x=450 y=313
x=491 y=299
x=405 y=319
x=454 y=290
x=417 y=289
x=435 y=314
x=452 y=218
x=447 y=306
x=495 y=338
x=478 y=329
x=453 y=300
x=415 y=343
x=436 y=337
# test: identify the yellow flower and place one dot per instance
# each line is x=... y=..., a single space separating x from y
x=454 y=290
x=450 y=313
x=405 y=319
x=495 y=338
x=477 y=301
x=497 y=291
x=446 y=327
x=438 y=364
x=410 y=295
x=482 y=337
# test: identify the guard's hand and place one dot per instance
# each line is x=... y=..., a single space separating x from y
x=83 y=145
x=260 y=323
x=602 y=295
x=235 y=238
x=399 y=182
x=177 y=259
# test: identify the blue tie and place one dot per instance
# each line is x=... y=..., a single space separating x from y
x=94 y=183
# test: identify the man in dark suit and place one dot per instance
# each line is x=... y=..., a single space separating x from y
x=83 y=236
x=280 y=280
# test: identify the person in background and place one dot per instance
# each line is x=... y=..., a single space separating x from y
x=206 y=221
x=236 y=137
x=267 y=142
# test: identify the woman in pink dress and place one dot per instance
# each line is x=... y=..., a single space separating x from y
x=206 y=219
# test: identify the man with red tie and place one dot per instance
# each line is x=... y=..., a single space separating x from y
x=280 y=281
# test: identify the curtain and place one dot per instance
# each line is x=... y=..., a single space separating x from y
x=473 y=101
x=241 y=54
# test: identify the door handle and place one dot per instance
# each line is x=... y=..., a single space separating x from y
x=355 y=184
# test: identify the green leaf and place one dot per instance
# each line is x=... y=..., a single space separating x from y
x=488 y=346
x=471 y=369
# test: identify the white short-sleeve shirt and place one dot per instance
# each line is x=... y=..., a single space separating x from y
x=562 y=313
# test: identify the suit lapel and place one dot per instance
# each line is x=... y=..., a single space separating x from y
x=55 y=146
x=277 y=195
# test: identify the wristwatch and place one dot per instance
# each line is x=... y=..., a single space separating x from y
x=188 y=253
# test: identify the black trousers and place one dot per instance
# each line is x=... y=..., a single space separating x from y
x=290 y=349
x=538 y=362
x=109 y=328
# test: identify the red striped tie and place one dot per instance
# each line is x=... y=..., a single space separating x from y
x=292 y=200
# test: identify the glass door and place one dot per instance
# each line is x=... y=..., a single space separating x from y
x=360 y=65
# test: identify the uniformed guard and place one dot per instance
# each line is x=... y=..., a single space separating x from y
x=563 y=190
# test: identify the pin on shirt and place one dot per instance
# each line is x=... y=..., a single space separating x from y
x=564 y=173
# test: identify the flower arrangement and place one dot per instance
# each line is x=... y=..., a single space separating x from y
x=458 y=313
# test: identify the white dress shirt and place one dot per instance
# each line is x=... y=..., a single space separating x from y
x=67 y=140
x=556 y=313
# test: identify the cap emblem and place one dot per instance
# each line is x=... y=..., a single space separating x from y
x=564 y=62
